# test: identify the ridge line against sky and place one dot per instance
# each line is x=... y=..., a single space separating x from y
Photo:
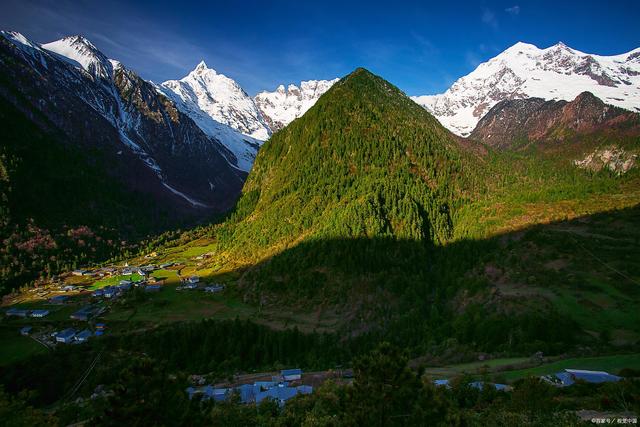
x=422 y=48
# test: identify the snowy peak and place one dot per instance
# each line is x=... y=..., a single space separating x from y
x=81 y=52
x=204 y=90
x=19 y=40
x=202 y=67
x=282 y=106
x=30 y=51
x=558 y=72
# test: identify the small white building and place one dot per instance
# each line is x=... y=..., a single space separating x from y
x=193 y=279
x=39 y=313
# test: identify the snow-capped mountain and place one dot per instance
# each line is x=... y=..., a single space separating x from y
x=222 y=99
x=97 y=102
x=282 y=106
x=222 y=109
x=523 y=71
x=82 y=53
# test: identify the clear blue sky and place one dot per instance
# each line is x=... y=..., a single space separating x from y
x=422 y=48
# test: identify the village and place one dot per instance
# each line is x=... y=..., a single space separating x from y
x=289 y=383
x=86 y=304
x=70 y=309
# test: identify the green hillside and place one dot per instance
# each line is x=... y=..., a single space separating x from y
x=368 y=209
x=364 y=227
x=364 y=168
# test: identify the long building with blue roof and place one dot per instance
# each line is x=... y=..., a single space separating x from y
x=571 y=376
x=280 y=392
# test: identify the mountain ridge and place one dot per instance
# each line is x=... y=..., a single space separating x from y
x=145 y=123
x=523 y=70
x=282 y=106
x=536 y=119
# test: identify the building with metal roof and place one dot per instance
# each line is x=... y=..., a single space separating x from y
x=442 y=383
x=251 y=393
x=481 y=385
x=66 y=336
x=291 y=374
x=17 y=312
x=571 y=376
x=83 y=336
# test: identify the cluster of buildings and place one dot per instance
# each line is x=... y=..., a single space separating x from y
x=110 y=292
x=564 y=378
x=70 y=335
x=280 y=389
x=193 y=282
x=189 y=283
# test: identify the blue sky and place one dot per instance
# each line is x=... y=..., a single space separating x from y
x=420 y=47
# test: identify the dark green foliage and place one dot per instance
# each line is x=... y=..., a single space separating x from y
x=219 y=348
x=15 y=412
x=365 y=161
x=143 y=394
x=229 y=346
x=386 y=392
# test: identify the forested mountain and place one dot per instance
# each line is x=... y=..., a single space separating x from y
x=363 y=168
x=368 y=206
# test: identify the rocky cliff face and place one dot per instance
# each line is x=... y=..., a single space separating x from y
x=612 y=158
x=512 y=122
x=97 y=102
x=525 y=71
